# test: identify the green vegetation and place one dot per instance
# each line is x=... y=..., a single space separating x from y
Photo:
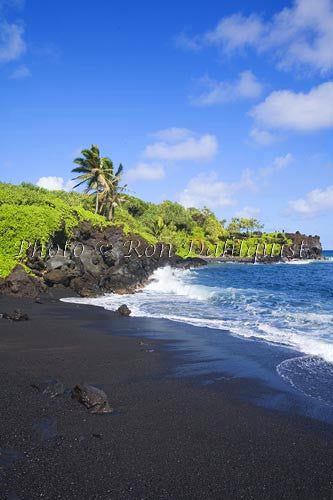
x=29 y=213
x=240 y=224
x=98 y=174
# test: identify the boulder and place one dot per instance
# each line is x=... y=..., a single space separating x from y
x=21 y=284
x=58 y=262
x=16 y=315
x=123 y=310
x=94 y=399
x=36 y=264
x=84 y=286
x=59 y=277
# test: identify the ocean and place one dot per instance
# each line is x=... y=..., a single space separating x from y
x=270 y=322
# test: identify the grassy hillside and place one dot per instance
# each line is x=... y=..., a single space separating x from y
x=29 y=213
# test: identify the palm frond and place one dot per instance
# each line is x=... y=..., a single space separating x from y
x=79 y=184
x=80 y=169
x=95 y=149
x=119 y=171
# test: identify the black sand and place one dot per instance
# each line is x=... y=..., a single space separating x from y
x=168 y=439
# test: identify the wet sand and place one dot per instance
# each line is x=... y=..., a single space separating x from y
x=169 y=438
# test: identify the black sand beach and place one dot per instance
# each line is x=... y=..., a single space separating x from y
x=169 y=438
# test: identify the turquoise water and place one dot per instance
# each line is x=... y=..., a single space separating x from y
x=287 y=307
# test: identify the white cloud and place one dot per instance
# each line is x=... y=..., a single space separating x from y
x=248 y=212
x=208 y=190
x=185 y=42
x=193 y=148
x=317 y=202
x=306 y=31
x=20 y=73
x=12 y=45
x=173 y=134
x=53 y=183
x=279 y=163
x=262 y=137
x=297 y=111
x=298 y=35
x=236 y=31
x=246 y=86
x=146 y=171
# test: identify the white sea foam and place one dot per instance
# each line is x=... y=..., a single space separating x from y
x=310 y=317
x=311 y=375
x=300 y=262
x=171 y=281
x=252 y=313
x=304 y=262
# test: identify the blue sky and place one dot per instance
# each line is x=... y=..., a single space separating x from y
x=224 y=104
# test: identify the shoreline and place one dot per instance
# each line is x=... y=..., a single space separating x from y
x=210 y=354
x=170 y=438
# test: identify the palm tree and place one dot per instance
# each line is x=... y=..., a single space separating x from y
x=91 y=171
x=98 y=175
x=111 y=196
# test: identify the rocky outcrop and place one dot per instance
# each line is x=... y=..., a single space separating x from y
x=304 y=247
x=21 y=284
x=107 y=260
x=95 y=261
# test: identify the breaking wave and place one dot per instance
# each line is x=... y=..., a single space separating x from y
x=197 y=298
x=286 y=305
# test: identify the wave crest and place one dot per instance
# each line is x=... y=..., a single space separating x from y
x=204 y=298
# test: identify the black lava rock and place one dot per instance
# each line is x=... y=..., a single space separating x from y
x=123 y=310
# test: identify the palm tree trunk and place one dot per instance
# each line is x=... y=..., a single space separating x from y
x=111 y=212
x=96 y=208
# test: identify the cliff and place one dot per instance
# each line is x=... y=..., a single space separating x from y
x=305 y=247
x=94 y=261
x=107 y=260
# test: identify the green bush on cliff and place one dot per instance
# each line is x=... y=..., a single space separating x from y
x=28 y=213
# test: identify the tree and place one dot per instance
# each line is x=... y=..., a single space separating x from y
x=98 y=174
x=91 y=172
x=112 y=193
x=175 y=216
x=235 y=225
x=199 y=216
x=213 y=229
x=135 y=206
x=253 y=224
x=240 y=224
